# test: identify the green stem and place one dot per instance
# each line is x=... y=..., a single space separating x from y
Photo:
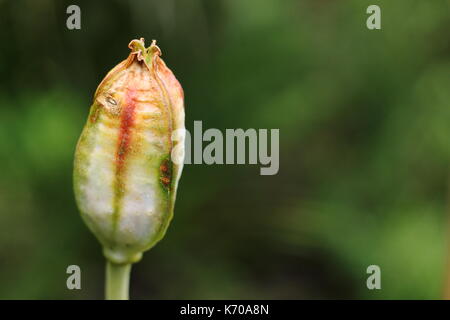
x=117 y=281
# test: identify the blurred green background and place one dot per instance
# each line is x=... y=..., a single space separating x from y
x=364 y=147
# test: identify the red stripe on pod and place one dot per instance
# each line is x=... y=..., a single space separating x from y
x=126 y=123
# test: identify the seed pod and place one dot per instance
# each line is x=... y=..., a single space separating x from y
x=128 y=161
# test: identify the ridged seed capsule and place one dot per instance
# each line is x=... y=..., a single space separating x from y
x=125 y=174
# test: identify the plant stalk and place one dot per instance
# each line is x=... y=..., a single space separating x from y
x=117 y=281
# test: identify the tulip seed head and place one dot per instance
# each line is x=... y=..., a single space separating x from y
x=124 y=180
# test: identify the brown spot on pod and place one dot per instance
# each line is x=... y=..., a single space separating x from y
x=166 y=173
x=110 y=103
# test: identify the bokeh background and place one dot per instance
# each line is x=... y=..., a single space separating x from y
x=364 y=147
